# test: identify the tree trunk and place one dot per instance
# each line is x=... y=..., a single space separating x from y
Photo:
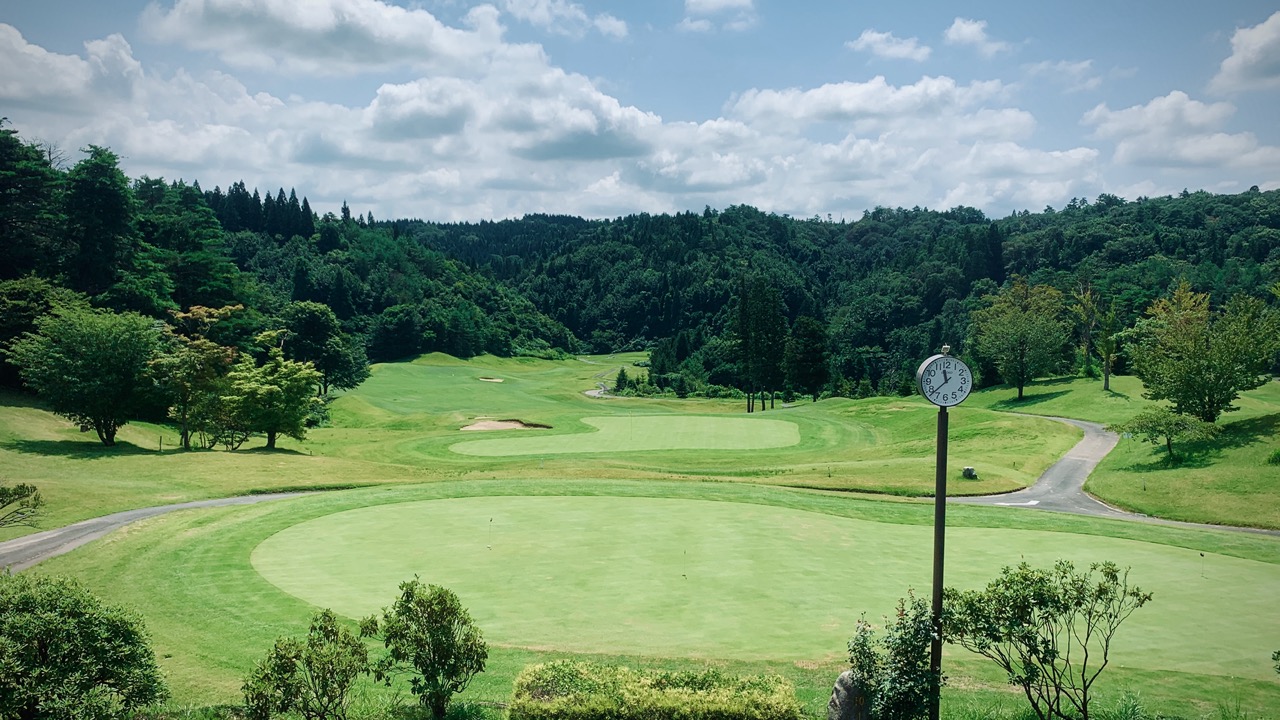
x=1106 y=376
x=439 y=707
x=106 y=433
x=271 y=439
x=1019 y=391
x=1168 y=444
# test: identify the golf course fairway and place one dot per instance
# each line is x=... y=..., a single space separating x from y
x=698 y=578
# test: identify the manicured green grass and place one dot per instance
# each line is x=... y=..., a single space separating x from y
x=404 y=425
x=758 y=553
x=697 y=578
x=1224 y=481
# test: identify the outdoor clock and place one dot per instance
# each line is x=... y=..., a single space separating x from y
x=943 y=380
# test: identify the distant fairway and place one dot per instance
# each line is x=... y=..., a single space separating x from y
x=697 y=578
x=620 y=433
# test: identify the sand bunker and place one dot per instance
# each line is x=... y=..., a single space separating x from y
x=504 y=424
x=489 y=379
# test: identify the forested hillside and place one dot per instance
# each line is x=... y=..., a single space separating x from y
x=735 y=297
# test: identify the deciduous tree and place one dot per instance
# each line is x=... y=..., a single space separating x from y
x=19 y=505
x=1049 y=630
x=1200 y=360
x=428 y=633
x=274 y=398
x=312 y=677
x=93 y=367
x=1159 y=424
x=1022 y=332
x=66 y=655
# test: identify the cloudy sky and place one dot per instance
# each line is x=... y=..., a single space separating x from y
x=460 y=110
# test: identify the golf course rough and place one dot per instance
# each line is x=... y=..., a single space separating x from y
x=641 y=433
x=701 y=578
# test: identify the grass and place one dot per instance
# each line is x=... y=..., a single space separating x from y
x=759 y=553
x=781 y=572
x=1226 y=481
x=403 y=425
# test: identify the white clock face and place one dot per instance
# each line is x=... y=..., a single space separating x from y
x=944 y=380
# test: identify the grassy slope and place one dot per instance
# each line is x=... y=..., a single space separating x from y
x=1225 y=481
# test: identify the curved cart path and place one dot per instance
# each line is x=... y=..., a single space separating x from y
x=1061 y=487
x=21 y=553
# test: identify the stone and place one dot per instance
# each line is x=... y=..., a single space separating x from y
x=848 y=699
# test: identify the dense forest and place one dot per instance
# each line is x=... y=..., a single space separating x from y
x=725 y=299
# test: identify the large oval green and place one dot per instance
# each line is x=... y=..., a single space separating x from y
x=697 y=578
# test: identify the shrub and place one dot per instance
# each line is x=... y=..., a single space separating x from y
x=313 y=677
x=1274 y=458
x=895 y=670
x=576 y=690
x=1049 y=630
x=65 y=654
x=429 y=633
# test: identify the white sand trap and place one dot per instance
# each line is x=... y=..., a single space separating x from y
x=489 y=379
x=504 y=425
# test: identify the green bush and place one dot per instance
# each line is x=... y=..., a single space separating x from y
x=64 y=654
x=575 y=690
x=1274 y=459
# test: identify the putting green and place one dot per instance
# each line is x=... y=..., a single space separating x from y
x=698 y=578
x=625 y=433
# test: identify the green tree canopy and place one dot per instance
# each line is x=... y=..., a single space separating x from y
x=1200 y=360
x=806 y=356
x=1021 y=332
x=66 y=655
x=1160 y=424
x=429 y=632
x=274 y=398
x=93 y=367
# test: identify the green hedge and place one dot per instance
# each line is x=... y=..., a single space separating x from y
x=575 y=690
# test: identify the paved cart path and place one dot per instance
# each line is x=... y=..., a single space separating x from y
x=21 y=553
x=1061 y=487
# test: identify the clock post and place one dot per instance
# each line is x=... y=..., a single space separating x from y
x=944 y=381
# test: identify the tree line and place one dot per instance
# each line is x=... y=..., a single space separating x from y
x=729 y=302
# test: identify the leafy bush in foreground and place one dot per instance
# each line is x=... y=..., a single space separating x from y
x=66 y=655
x=312 y=677
x=575 y=690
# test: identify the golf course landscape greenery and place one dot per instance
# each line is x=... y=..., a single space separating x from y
x=688 y=444
x=660 y=533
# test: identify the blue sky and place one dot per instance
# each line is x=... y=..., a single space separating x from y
x=457 y=110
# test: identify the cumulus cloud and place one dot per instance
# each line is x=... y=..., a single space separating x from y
x=564 y=17
x=973 y=33
x=332 y=37
x=708 y=15
x=1254 y=63
x=875 y=103
x=886 y=45
x=1176 y=131
x=511 y=133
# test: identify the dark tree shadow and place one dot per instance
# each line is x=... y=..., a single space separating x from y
x=271 y=451
x=79 y=449
x=1027 y=400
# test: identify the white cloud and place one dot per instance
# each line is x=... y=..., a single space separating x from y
x=875 y=103
x=564 y=17
x=1175 y=131
x=1074 y=76
x=974 y=33
x=333 y=37
x=511 y=133
x=707 y=15
x=886 y=45
x=1254 y=63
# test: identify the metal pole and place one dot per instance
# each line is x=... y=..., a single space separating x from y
x=939 y=542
